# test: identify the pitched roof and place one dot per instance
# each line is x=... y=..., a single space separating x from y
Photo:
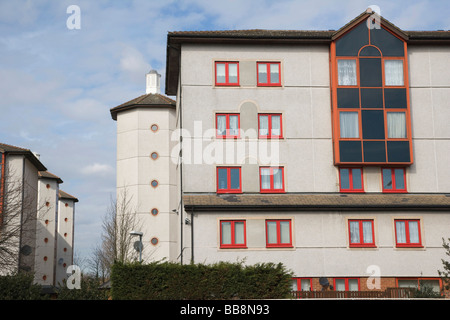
x=65 y=195
x=317 y=201
x=49 y=175
x=9 y=149
x=260 y=36
x=152 y=100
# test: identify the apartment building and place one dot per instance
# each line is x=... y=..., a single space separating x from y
x=327 y=151
x=37 y=218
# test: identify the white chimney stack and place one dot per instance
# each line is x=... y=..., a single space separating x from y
x=153 y=82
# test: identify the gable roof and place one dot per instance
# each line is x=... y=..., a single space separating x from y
x=65 y=195
x=9 y=149
x=266 y=37
x=49 y=175
x=152 y=100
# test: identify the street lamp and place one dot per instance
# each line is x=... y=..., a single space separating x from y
x=140 y=234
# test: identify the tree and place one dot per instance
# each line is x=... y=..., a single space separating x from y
x=445 y=274
x=18 y=214
x=117 y=244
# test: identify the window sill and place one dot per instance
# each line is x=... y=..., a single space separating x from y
x=402 y=246
x=353 y=246
x=229 y=191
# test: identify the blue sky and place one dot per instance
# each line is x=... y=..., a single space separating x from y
x=57 y=85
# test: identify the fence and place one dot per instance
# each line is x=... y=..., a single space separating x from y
x=389 y=293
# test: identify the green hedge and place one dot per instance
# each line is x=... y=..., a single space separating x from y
x=172 y=281
x=19 y=286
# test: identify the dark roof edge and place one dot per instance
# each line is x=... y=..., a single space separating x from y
x=116 y=110
x=196 y=208
x=8 y=149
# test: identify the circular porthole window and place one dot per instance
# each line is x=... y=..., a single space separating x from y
x=154 y=183
x=154 y=155
x=154 y=241
x=154 y=127
x=154 y=211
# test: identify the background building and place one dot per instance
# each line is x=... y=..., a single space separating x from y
x=324 y=150
x=37 y=218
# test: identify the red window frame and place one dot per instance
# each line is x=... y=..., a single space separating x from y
x=229 y=190
x=269 y=83
x=227 y=75
x=233 y=234
x=279 y=244
x=272 y=188
x=408 y=243
x=269 y=129
x=227 y=134
x=299 y=280
x=347 y=287
x=361 y=242
x=350 y=182
x=394 y=188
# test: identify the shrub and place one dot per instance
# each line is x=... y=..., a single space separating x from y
x=171 y=281
x=20 y=286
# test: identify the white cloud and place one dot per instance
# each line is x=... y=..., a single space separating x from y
x=97 y=169
x=133 y=64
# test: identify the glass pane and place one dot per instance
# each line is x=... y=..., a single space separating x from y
x=433 y=284
x=233 y=73
x=239 y=233
x=367 y=232
x=413 y=231
x=400 y=231
x=222 y=176
x=347 y=72
x=349 y=124
x=340 y=284
x=274 y=73
x=277 y=178
x=285 y=234
x=399 y=179
x=263 y=125
x=271 y=232
x=345 y=179
x=306 y=284
x=276 y=125
x=265 y=178
x=220 y=73
x=408 y=283
x=396 y=123
x=357 y=179
x=354 y=232
x=294 y=285
x=221 y=125
x=387 y=179
x=234 y=125
x=393 y=72
x=235 y=179
x=353 y=284
x=262 y=73
x=226 y=233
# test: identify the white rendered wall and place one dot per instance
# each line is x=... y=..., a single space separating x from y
x=45 y=231
x=64 y=238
